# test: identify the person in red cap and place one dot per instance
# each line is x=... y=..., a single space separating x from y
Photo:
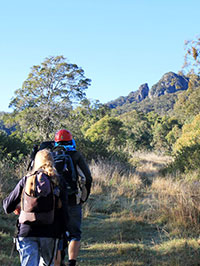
x=64 y=139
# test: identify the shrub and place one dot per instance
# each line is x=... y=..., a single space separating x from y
x=12 y=148
x=186 y=159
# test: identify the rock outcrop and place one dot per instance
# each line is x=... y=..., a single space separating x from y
x=168 y=84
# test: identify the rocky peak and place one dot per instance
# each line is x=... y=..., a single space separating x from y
x=142 y=92
x=169 y=83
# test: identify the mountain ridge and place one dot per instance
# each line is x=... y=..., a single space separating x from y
x=168 y=87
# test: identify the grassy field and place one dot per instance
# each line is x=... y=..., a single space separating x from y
x=128 y=220
x=134 y=217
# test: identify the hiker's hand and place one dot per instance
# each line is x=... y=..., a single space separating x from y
x=17 y=210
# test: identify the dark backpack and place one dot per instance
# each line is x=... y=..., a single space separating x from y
x=63 y=164
x=38 y=199
x=66 y=169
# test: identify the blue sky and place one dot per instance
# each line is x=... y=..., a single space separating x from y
x=120 y=44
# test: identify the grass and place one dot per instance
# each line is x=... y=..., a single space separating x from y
x=177 y=201
x=125 y=219
x=7 y=230
x=134 y=243
x=134 y=217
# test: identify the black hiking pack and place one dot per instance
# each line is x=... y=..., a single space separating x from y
x=66 y=169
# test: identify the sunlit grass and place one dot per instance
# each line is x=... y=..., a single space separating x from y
x=177 y=202
x=133 y=217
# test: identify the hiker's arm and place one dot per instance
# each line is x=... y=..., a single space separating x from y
x=10 y=203
x=86 y=171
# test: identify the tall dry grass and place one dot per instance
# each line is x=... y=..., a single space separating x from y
x=176 y=202
x=10 y=174
x=114 y=188
x=173 y=200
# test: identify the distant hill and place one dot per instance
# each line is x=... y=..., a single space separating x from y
x=3 y=127
x=160 y=98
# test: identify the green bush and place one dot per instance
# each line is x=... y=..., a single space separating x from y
x=186 y=159
x=12 y=148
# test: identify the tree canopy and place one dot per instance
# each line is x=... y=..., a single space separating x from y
x=47 y=96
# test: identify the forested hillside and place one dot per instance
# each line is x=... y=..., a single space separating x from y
x=160 y=98
x=148 y=142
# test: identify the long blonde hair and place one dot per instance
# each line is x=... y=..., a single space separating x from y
x=44 y=160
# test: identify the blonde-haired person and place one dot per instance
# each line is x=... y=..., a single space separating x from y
x=44 y=160
x=37 y=243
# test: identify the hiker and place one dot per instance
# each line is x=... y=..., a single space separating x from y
x=39 y=228
x=64 y=139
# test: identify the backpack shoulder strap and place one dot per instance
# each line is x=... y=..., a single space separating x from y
x=30 y=184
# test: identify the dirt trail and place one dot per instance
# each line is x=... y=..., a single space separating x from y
x=149 y=166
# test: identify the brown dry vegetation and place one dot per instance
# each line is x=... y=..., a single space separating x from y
x=133 y=217
x=140 y=217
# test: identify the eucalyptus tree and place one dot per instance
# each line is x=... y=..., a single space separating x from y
x=47 y=96
x=188 y=104
x=192 y=56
